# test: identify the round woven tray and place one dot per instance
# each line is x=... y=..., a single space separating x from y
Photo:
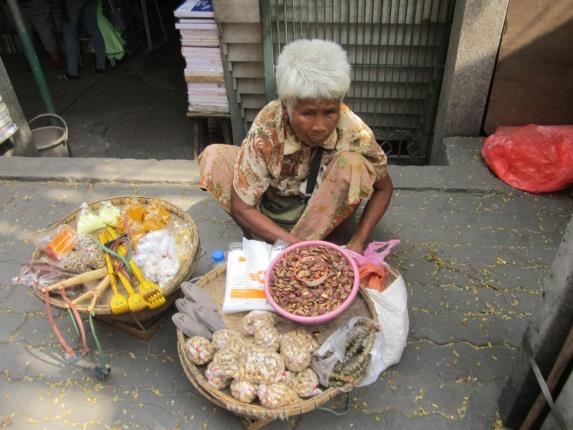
x=185 y=271
x=214 y=284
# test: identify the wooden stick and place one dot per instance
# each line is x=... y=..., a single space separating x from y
x=77 y=280
x=94 y=294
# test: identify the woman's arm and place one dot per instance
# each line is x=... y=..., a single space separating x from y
x=373 y=212
x=251 y=220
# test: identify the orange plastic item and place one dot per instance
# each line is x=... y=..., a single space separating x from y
x=153 y=223
x=61 y=243
x=135 y=211
x=373 y=276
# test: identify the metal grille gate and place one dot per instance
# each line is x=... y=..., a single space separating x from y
x=397 y=50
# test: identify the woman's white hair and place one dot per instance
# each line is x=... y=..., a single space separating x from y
x=309 y=69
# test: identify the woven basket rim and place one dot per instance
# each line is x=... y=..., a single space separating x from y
x=185 y=270
x=253 y=411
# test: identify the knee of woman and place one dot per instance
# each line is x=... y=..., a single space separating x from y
x=217 y=152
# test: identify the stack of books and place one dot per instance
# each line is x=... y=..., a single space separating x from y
x=7 y=127
x=203 y=66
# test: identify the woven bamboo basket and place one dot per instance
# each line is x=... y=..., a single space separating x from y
x=102 y=309
x=254 y=415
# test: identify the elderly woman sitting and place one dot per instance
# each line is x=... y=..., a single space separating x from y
x=307 y=161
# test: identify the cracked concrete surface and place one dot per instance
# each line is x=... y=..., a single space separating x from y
x=473 y=261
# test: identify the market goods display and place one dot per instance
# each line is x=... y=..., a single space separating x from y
x=144 y=247
x=264 y=388
x=350 y=366
x=243 y=391
x=200 y=350
x=305 y=383
x=310 y=281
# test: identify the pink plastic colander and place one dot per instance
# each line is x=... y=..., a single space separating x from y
x=324 y=318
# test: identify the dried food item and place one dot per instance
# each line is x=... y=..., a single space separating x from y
x=243 y=391
x=267 y=336
x=359 y=343
x=305 y=383
x=262 y=366
x=74 y=262
x=276 y=395
x=296 y=354
x=255 y=319
x=199 y=350
x=311 y=281
x=301 y=336
x=226 y=363
x=94 y=256
x=219 y=382
x=231 y=339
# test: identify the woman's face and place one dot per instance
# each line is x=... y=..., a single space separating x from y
x=313 y=120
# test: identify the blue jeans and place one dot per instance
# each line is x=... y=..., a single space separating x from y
x=87 y=11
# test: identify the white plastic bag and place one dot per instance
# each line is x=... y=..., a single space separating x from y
x=157 y=257
x=392 y=309
x=244 y=284
x=333 y=351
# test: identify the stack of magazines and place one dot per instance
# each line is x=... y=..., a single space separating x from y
x=200 y=48
x=7 y=127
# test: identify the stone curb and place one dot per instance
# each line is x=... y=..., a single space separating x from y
x=466 y=172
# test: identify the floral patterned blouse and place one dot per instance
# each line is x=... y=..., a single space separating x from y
x=272 y=156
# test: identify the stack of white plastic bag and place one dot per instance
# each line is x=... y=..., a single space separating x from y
x=246 y=267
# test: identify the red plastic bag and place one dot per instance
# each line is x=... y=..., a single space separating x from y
x=532 y=158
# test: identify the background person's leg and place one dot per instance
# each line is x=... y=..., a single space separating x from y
x=70 y=28
x=38 y=12
x=89 y=20
x=349 y=178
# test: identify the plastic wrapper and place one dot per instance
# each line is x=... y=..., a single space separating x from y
x=229 y=339
x=109 y=214
x=75 y=262
x=219 y=382
x=276 y=395
x=199 y=350
x=532 y=158
x=305 y=384
x=226 y=363
x=268 y=337
x=88 y=222
x=301 y=336
x=182 y=234
x=243 y=391
x=156 y=216
x=92 y=253
x=255 y=319
x=157 y=258
x=57 y=242
x=134 y=210
x=334 y=351
x=39 y=275
x=134 y=230
x=261 y=366
x=296 y=354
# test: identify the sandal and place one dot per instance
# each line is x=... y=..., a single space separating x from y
x=206 y=317
x=189 y=326
x=198 y=295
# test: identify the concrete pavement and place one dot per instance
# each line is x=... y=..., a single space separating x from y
x=473 y=254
